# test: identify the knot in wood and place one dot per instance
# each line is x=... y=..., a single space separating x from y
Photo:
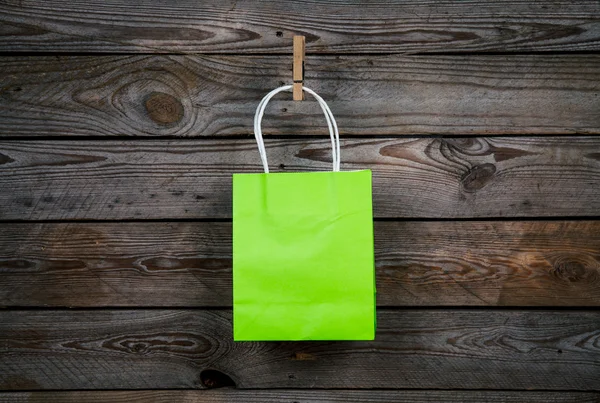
x=164 y=108
x=5 y=159
x=212 y=379
x=573 y=269
x=478 y=176
x=139 y=348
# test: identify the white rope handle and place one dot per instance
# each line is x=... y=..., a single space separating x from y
x=331 y=124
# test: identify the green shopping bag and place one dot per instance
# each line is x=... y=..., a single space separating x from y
x=303 y=264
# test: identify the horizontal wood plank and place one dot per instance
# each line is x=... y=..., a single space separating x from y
x=247 y=26
x=189 y=264
x=420 y=178
x=192 y=96
x=141 y=349
x=305 y=396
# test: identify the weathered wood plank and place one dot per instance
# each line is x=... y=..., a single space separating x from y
x=204 y=96
x=425 y=177
x=296 y=395
x=189 y=264
x=471 y=349
x=247 y=26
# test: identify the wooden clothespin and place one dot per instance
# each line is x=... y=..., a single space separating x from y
x=298 y=68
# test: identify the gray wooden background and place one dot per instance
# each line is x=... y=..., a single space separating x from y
x=121 y=123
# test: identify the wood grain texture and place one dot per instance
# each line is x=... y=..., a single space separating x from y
x=190 y=96
x=140 y=349
x=423 y=177
x=299 y=396
x=153 y=26
x=189 y=264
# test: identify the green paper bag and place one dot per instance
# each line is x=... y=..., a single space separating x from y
x=303 y=264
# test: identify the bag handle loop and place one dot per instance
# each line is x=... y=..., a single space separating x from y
x=331 y=124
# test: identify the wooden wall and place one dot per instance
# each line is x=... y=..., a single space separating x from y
x=121 y=124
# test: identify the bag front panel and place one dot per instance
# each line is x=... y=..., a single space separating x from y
x=303 y=256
